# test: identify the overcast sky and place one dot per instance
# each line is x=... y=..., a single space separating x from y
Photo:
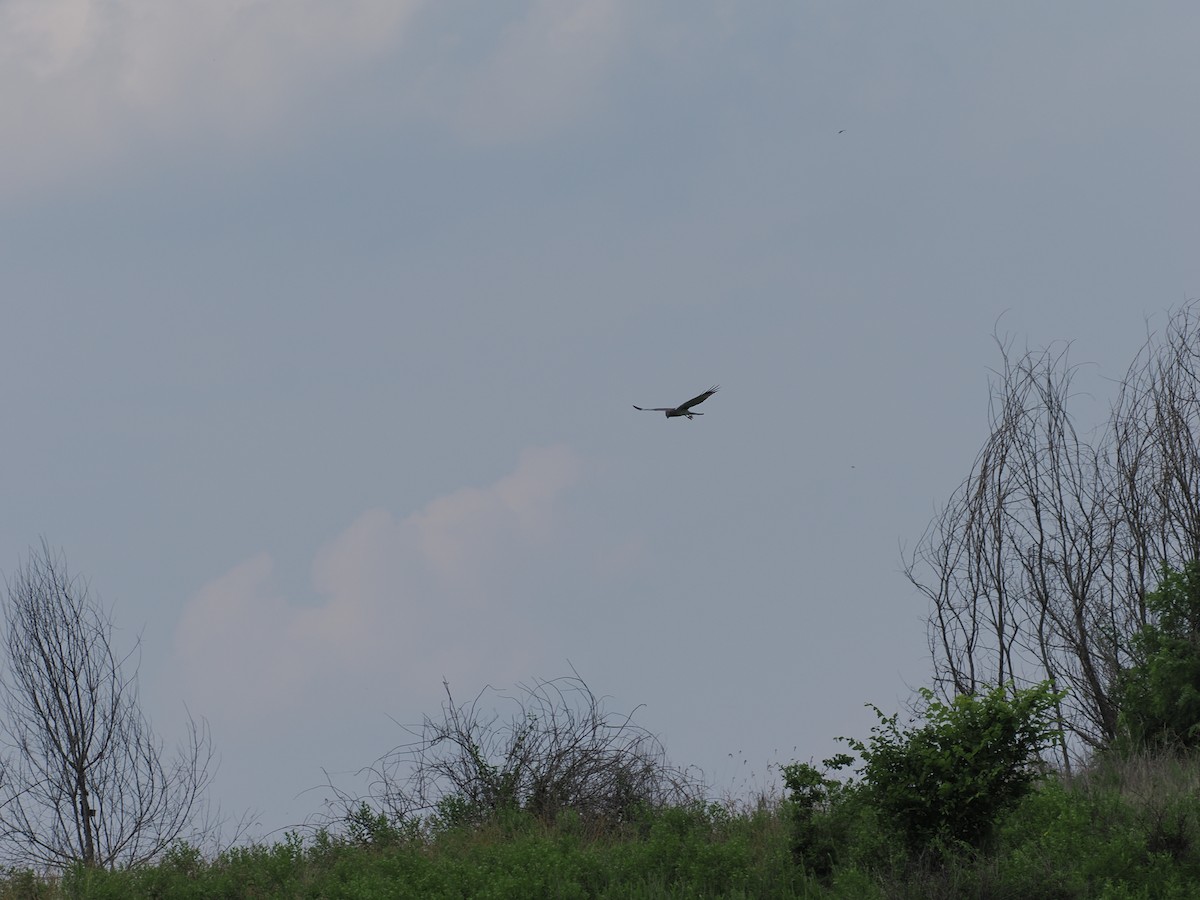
x=322 y=323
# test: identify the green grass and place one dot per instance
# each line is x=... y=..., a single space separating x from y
x=1124 y=830
x=694 y=852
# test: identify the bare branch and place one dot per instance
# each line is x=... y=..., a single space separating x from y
x=85 y=777
x=560 y=749
x=1038 y=566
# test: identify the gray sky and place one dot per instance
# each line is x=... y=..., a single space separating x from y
x=322 y=324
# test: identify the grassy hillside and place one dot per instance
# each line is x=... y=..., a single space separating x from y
x=1127 y=829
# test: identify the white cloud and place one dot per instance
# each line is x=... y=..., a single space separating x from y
x=82 y=80
x=400 y=599
x=84 y=83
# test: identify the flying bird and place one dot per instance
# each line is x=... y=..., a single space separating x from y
x=683 y=409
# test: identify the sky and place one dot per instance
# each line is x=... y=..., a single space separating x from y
x=321 y=325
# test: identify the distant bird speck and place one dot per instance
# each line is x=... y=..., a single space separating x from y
x=843 y=131
x=683 y=409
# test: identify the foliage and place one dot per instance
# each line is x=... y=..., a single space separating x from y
x=824 y=814
x=1160 y=690
x=1125 y=827
x=948 y=781
x=685 y=851
x=368 y=828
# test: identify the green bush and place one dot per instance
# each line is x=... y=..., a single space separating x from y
x=1159 y=692
x=947 y=782
x=829 y=819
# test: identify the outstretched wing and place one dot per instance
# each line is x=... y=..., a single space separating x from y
x=653 y=408
x=695 y=400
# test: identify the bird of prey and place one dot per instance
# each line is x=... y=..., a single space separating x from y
x=683 y=409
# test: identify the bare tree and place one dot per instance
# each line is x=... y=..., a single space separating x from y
x=559 y=750
x=1038 y=565
x=84 y=777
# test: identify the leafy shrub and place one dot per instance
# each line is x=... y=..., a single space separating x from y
x=1159 y=693
x=821 y=815
x=947 y=782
